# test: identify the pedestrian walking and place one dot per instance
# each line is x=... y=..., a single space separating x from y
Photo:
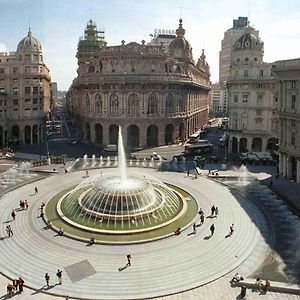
x=188 y=173
x=216 y=212
x=21 y=285
x=47 y=278
x=212 y=229
x=86 y=173
x=202 y=219
x=59 y=276
x=66 y=171
x=128 y=260
x=13 y=215
x=213 y=209
x=16 y=284
x=231 y=230
x=200 y=212
x=10 y=232
x=36 y=190
x=194 y=228
x=26 y=204
x=61 y=231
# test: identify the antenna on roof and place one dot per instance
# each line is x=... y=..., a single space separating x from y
x=249 y=12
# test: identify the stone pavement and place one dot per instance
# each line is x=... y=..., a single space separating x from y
x=163 y=267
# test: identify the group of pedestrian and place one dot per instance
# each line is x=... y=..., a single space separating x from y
x=261 y=286
x=214 y=211
x=23 y=204
x=58 y=275
x=17 y=286
x=9 y=231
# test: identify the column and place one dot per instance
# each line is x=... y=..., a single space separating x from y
x=249 y=143
x=284 y=165
x=264 y=144
x=230 y=145
x=280 y=163
x=288 y=167
x=92 y=128
x=298 y=170
x=143 y=136
x=105 y=134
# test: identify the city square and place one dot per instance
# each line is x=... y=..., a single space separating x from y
x=149 y=166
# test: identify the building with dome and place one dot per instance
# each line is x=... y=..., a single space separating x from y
x=25 y=93
x=253 y=97
x=158 y=97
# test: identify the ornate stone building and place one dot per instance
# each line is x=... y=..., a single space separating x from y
x=157 y=97
x=25 y=93
x=288 y=73
x=253 y=97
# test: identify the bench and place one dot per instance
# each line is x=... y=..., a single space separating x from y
x=276 y=286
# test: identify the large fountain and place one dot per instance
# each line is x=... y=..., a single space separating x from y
x=118 y=201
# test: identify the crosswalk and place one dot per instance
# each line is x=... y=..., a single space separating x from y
x=30 y=156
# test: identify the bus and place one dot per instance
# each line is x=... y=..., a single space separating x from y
x=195 y=137
x=198 y=148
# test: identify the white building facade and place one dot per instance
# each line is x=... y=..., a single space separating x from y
x=288 y=74
x=253 y=98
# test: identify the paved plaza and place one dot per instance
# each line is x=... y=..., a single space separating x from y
x=188 y=266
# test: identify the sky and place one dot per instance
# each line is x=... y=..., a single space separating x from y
x=58 y=24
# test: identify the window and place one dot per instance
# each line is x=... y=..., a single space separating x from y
x=258 y=112
x=27 y=108
x=15 y=91
x=27 y=100
x=35 y=108
x=91 y=69
x=293 y=138
x=293 y=123
x=27 y=90
x=34 y=101
x=169 y=104
x=236 y=98
x=293 y=103
x=15 y=71
x=152 y=104
x=259 y=85
x=27 y=70
x=35 y=90
x=27 y=57
x=261 y=72
x=133 y=105
x=114 y=104
x=259 y=99
x=293 y=84
x=258 y=124
x=246 y=59
x=245 y=98
x=246 y=73
x=1 y=70
x=35 y=58
x=15 y=102
x=98 y=104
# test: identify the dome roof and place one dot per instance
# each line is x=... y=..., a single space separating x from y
x=29 y=43
x=180 y=47
x=248 y=41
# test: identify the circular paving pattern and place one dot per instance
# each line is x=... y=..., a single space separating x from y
x=166 y=266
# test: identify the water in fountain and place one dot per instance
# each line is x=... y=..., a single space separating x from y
x=243 y=175
x=144 y=163
x=101 y=161
x=130 y=162
x=116 y=161
x=93 y=160
x=118 y=201
x=85 y=160
x=151 y=162
x=108 y=161
x=122 y=157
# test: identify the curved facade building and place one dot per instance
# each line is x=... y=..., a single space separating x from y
x=157 y=97
x=253 y=96
x=25 y=93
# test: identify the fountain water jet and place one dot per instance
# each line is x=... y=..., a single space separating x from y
x=121 y=157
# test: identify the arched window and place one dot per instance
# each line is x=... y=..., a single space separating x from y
x=152 y=104
x=87 y=102
x=181 y=102
x=133 y=105
x=98 y=104
x=113 y=104
x=169 y=104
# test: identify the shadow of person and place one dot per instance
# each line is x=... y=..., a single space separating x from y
x=6 y=296
x=123 y=268
x=8 y=221
x=227 y=236
x=3 y=238
x=207 y=237
x=51 y=286
x=191 y=233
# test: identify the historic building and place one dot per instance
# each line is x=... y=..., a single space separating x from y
x=25 y=93
x=157 y=97
x=218 y=105
x=288 y=73
x=253 y=98
x=227 y=44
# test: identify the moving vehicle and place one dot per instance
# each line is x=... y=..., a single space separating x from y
x=198 y=148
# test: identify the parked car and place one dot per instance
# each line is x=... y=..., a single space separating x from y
x=111 y=148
